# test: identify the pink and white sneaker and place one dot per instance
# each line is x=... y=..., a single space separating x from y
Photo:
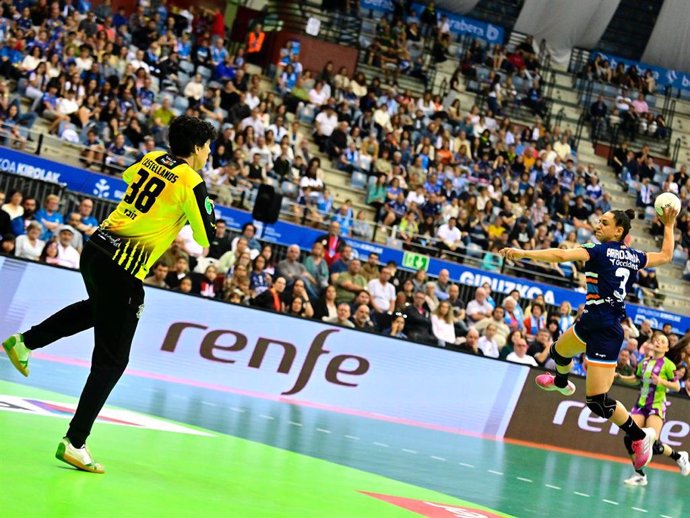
x=547 y=381
x=642 y=449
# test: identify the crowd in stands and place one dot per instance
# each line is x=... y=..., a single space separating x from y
x=453 y=181
x=637 y=172
x=329 y=284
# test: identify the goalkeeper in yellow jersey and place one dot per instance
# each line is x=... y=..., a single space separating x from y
x=164 y=192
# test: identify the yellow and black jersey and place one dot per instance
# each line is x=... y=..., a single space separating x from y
x=163 y=194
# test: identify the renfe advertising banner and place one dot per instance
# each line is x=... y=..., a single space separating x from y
x=568 y=423
x=256 y=353
x=111 y=187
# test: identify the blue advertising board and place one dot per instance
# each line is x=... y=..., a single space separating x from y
x=284 y=233
x=458 y=24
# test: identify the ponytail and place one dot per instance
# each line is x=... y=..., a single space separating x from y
x=623 y=219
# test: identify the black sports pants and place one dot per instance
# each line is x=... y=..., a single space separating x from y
x=112 y=309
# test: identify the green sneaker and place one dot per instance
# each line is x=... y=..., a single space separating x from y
x=80 y=458
x=18 y=353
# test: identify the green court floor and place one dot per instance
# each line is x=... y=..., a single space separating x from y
x=158 y=473
x=267 y=458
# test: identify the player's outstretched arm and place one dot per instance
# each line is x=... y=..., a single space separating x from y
x=549 y=255
x=668 y=218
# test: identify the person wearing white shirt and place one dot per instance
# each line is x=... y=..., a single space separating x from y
x=487 y=344
x=562 y=148
x=254 y=121
x=317 y=95
x=251 y=99
x=479 y=308
x=278 y=129
x=417 y=197
x=28 y=246
x=442 y=323
x=327 y=121
x=138 y=62
x=449 y=235
x=382 y=292
x=67 y=255
x=519 y=355
x=194 y=89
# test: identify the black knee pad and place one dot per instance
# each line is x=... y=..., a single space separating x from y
x=601 y=405
x=560 y=360
x=658 y=448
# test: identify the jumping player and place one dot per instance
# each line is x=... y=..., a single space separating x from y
x=164 y=192
x=611 y=268
x=655 y=376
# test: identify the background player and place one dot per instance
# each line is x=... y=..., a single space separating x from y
x=611 y=269
x=656 y=377
x=165 y=191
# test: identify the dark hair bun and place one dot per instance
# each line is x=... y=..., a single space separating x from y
x=630 y=213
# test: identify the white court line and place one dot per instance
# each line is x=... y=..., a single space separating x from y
x=208 y=403
x=239 y=410
x=525 y=479
x=639 y=510
x=438 y=458
x=666 y=516
x=381 y=444
x=494 y=472
x=269 y=417
x=552 y=487
x=295 y=423
x=409 y=451
x=353 y=437
x=466 y=465
x=323 y=430
x=612 y=502
x=581 y=494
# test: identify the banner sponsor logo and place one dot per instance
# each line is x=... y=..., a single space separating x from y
x=549 y=419
x=338 y=370
x=458 y=24
x=28 y=170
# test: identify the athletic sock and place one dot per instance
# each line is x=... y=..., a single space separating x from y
x=75 y=443
x=674 y=455
x=631 y=428
x=640 y=472
x=561 y=380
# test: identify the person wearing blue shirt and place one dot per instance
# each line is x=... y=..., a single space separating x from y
x=120 y=18
x=218 y=53
x=344 y=216
x=49 y=217
x=10 y=58
x=225 y=71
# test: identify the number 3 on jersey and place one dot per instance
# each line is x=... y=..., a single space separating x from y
x=624 y=275
x=143 y=193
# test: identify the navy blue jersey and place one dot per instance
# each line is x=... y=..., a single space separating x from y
x=611 y=271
